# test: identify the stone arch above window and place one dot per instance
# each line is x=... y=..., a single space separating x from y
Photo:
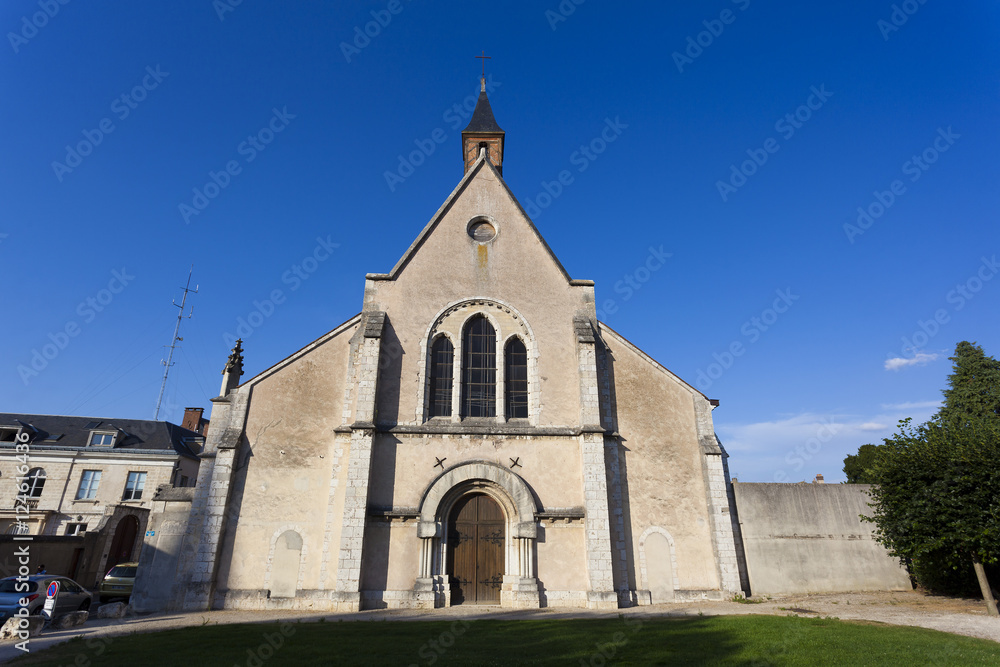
x=452 y=322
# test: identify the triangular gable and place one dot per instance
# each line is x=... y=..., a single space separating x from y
x=604 y=328
x=481 y=163
x=274 y=368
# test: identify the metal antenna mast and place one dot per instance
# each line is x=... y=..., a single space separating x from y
x=173 y=341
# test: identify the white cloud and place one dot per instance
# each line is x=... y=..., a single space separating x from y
x=794 y=447
x=871 y=426
x=911 y=405
x=920 y=359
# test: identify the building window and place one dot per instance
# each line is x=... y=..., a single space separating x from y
x=33 y=483
x=516 y=379
x=89 y=482
x=133 y=487
x=18 y=528
x=442 y=363
x=479 y=369
x=102 y=439
x=76 y=528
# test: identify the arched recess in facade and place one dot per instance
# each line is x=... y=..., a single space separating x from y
x=520 y=587
x=450 y=322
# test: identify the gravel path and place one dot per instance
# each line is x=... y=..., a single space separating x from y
x=965 y=617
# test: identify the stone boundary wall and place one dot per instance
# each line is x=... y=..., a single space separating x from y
x=56 y=552
x=808 y=538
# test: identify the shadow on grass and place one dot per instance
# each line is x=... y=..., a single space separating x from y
x=628 y=640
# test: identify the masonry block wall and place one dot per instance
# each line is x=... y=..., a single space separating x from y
x=808 y=538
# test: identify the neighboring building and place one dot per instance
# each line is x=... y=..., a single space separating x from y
x=474 y=435
x=82 y=486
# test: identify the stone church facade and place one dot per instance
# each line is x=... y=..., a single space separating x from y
x=474 y=436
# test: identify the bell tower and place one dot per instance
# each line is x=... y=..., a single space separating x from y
x=482 y=132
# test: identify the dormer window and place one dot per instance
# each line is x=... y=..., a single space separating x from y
x=102 y=439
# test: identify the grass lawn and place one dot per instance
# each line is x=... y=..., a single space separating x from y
x=715 y=640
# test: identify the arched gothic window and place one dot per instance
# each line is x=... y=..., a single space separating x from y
x=479 y=369
x=442 y=361
x=34 y=481
x=516 y=379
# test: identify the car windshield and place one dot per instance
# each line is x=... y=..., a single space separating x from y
x=10 y=586
x=122 y=571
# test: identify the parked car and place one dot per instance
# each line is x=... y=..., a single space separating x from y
x=72 y=596
x=118 y=582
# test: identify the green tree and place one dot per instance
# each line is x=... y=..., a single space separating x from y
x=973 y=387
x=937 y=495
x=857 y=466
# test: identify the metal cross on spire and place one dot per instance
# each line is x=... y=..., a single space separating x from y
x=484 y=58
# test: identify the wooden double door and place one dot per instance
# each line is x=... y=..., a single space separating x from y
x=476 y=538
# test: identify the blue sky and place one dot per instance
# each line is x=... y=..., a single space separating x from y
x=747 y=136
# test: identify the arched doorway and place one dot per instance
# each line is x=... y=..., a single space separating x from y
x=499 y=534
x=476 y=544
x=123 y=543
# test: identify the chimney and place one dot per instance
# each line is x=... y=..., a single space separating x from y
x=819 y=479
x=192 y=419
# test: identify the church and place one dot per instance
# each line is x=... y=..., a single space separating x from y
x=474 y=436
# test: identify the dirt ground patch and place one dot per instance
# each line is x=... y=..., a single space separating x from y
x=958 y=615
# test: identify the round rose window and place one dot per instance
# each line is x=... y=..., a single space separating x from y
x=482 y=231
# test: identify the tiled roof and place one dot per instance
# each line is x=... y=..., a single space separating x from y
x=67 y=432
